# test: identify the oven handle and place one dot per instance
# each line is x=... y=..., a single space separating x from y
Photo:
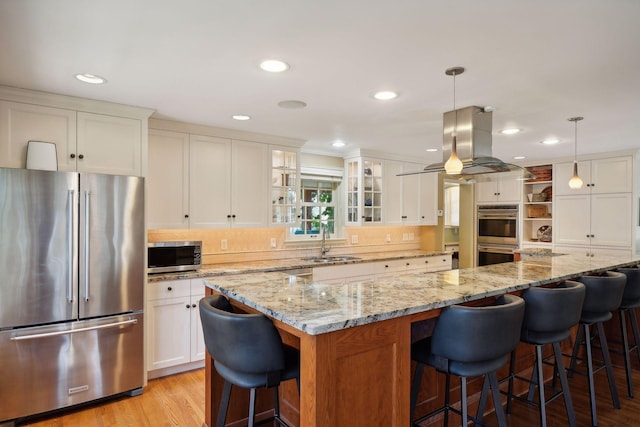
x=496 y=250
x=497 y=216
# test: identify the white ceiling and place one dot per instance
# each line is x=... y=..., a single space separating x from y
x=537 y=62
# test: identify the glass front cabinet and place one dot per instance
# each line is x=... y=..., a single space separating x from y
x=284 y=186
x=364 y=191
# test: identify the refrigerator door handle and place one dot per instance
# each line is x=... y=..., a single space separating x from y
x=70 y=194
x=73 y=331
x=87 y=228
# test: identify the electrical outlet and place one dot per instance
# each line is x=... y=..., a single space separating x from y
x=410 y=236
x=388 y=238
x=354 y=238
x=223 y=244
x=440 y=212
x=273 y=243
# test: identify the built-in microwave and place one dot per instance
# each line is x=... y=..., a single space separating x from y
x=498 y=224
x=174 y=256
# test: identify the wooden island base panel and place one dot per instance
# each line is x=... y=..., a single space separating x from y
x=355 y=339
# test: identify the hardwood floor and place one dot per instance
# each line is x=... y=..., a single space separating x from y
x=178 y=400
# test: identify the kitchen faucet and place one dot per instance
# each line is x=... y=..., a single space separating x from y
x=325 y=231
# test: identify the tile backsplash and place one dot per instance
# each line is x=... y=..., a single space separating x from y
x=249 y=244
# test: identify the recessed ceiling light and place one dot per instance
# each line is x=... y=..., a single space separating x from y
x=510 y=131
x=240 y=117
x=293 y=104
x=338 y=143
x=519 y=157
x=91 y=78
x=385 y=95
x=432 y=150
x=550 y=141
x=274 y=65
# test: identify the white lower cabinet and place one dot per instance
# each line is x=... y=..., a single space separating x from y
x=592 y=252
x=174 y=331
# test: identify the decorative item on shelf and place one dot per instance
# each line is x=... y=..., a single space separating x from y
x=539 y=197
x=542 y=173
x=368 y=202
x=544 y=233
x=549 y=192
x=536 y=211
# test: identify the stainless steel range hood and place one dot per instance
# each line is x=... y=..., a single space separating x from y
x=473 y=136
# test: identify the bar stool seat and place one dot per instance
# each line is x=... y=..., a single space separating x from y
x=550 y=313
x=603 y=295
x=630 y=301
x=248 y=352
x=469 y=341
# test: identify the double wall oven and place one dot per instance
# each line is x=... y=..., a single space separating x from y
x=497 y=233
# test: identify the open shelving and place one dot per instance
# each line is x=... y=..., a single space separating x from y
x=538 y=206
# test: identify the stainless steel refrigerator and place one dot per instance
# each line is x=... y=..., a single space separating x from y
x=71 y=289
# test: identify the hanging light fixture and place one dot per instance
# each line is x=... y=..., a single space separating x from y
x=575 y=182
x=454 y=165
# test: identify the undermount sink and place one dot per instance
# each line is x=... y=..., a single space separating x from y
x=328 y=259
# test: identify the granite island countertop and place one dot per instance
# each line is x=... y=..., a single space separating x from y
x=244 y=267
x=315 y=308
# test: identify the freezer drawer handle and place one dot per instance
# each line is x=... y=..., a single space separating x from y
x=73 y=331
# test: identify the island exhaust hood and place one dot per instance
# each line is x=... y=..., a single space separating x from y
x=473 y=145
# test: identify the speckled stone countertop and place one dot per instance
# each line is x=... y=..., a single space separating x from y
x=315 y=308
x=283 y=264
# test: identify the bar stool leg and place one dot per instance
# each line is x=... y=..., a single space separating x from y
x=576 y=348
x=540 y=377
x=512 y=369
x=415 y=388
x=497 y=402
x=625 y=349
x=463 y=403
x=224 y=404
x=252 y=407
x=608 y=366
x=447 y=396
x=562 y=373
x=636 y=331
x=592 y=391
x=482 y=403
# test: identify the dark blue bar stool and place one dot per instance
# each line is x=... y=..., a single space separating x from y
x=630 y=301
x=604 y=295
x=469 y=342
x=549 y=315
x=248 y=352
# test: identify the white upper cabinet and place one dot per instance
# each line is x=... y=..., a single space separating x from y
x=428 y=199
x=609 y=175
x=504 y=187
x=364 y=191
x=105 y=144
x=249 y=184
x=198 y=181
x=168 y=180
x=209 y=182
x=21 y=123
x=90 y=136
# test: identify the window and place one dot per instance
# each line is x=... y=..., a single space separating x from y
x=318 y=205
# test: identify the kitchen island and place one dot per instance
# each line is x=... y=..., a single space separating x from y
x=355 y=338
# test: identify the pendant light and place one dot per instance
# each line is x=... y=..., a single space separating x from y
x=575 y=182
x=453 y=166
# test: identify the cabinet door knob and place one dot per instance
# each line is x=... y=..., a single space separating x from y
x=228 y=216
x=186 y=215
x=408 y=264
x=233 y=216
x=73 y=156
x=169 y=288
x=81 y=156
x=193 y=306
x=188 y=306
x=426 y=261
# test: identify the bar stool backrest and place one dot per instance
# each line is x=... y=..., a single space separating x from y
x=553 y=309
x=604 y=291
x=244 y=343
x=631 y=294
x=469 y=334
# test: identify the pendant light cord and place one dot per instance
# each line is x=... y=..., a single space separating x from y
x=575 y=142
